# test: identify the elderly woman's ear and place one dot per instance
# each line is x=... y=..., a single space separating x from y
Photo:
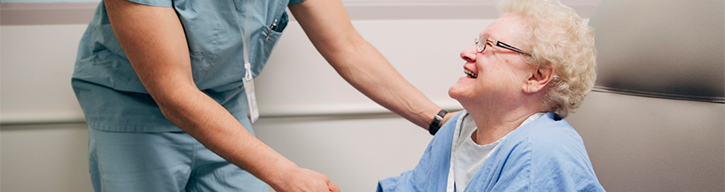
x=538 y=79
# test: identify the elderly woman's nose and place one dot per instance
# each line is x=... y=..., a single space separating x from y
x=469 y=54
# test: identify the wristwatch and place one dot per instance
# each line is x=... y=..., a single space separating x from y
x=436 y=124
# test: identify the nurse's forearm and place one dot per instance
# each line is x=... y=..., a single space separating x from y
x=218 y=130
x=329 y=28
x=369 y=72
x=211 y=124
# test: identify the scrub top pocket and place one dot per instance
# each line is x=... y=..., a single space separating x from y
x=271 y=34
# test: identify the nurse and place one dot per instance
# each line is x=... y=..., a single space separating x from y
x=526 y=71
x=165 y=86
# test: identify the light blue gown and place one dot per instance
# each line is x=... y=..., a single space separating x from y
x=546 y=154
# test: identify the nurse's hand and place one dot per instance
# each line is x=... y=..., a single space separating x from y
x=448 y=117
x=304 y=180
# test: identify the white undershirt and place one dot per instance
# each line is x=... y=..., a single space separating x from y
x=468 y=156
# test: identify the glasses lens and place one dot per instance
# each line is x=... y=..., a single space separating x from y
x=481 y=43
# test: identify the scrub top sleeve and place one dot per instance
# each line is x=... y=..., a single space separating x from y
x=159 y=3
x=295 y=1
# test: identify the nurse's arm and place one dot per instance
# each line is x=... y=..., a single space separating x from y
x=154 y=41
x=328 y=26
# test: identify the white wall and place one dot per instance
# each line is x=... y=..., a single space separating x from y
x=44 y=157
x=37 y=64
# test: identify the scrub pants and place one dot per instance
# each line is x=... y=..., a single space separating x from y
x=159 y=162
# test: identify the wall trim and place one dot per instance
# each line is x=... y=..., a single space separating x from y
x=46 y=13
x=81 y=13
x=268 y=111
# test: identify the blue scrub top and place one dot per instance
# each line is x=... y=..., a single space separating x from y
x=111 y=94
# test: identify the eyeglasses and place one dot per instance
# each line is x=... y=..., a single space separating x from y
x=481 y=45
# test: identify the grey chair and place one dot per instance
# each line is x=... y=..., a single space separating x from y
x=656 y=119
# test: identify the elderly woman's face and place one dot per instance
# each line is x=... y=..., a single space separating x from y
x=496 y=74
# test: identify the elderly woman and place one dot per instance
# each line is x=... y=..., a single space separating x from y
x=525 y=73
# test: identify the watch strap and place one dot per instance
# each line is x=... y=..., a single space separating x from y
x=436 y=124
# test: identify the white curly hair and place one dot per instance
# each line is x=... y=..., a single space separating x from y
x=559 y=39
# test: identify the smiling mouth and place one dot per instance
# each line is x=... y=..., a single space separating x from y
x=470 y=73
